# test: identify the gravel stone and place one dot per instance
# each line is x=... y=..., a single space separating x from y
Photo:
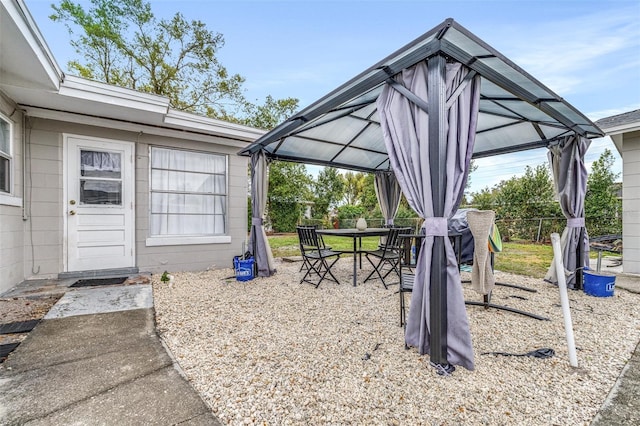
x=271 y=351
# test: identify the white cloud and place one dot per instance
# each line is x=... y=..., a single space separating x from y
x=570 y=53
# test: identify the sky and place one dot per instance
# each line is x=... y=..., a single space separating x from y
x=587 y=52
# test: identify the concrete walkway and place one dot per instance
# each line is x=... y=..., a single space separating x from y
x=96 y=359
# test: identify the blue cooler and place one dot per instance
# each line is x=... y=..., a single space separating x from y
x=243 y=268
x=598 y=285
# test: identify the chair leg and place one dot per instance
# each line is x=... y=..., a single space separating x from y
x=321 y=268
x=376 y=271
x=401 y=308
x=394 y=267
x=304 y=263
x=311 y=268
x=403 y=318
x=380 y=267
x=329 y=270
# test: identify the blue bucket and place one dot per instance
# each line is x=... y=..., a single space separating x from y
x=244 y=269
x=599 y=285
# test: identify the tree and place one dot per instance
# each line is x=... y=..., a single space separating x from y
x=485 y=199
x=269 y=115
x=520 y=199
x=528 y=196
x=289 y=185
x=472 y=168
x=353 y=187
x=349 y=211
x=602 y=206
x=328 y=191
x=368 y=198
x=123 y=43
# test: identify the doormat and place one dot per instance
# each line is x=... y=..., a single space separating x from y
x=18 y=326
x=6 y=349
x=99 y=281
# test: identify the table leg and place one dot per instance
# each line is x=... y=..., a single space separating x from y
x=355 y=261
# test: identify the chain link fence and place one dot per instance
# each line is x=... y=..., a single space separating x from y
x=540 y=229
x=410 y=222
x=536 y=229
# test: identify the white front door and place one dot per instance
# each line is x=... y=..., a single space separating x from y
x=99 y=188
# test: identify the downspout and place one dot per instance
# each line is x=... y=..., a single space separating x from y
x=24 y=166
x=26 y=197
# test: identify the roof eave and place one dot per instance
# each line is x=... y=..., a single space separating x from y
x=20 y=15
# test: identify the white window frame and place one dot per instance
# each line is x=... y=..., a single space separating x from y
x=8 y=198
x=165 y=240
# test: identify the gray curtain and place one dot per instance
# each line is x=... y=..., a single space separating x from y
x=570 y=181
x=258 y=242
x=406 y=136
x=388 y=194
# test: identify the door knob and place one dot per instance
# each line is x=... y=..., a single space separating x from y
x=72 y=212
x=72 y=202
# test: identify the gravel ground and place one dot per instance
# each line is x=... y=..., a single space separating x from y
x=275 y=352
x=14 y=309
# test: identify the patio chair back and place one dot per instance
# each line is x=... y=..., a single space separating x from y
x=392 y=243
x=308 y=238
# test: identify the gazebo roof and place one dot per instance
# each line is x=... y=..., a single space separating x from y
x=342 y=129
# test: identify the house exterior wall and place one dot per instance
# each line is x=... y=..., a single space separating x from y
x=43 y=228
x=631 y=202
x=197 y=256
x=11 y=225
x=45 y=207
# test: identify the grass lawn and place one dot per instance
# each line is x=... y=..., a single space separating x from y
x=287 y=244
x=517 y=257
x=524 y=258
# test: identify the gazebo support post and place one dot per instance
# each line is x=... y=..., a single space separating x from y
x=437 y=163
x=580 y=261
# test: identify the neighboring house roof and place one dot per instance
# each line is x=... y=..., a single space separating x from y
x=617 y=125
x=31 y=77
x=625 y=122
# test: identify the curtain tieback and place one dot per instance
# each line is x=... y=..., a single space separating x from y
x=436 y=227
x=389 y=221
x=575 y=222
x=257 y=221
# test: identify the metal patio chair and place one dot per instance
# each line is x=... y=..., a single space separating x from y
x=320 y=243
x=317 y=260
x=388 y=255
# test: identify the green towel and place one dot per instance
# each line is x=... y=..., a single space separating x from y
x=495 y=241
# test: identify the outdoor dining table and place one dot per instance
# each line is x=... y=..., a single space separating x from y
x=357 y=237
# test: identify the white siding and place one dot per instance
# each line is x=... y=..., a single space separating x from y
x=631 y=202
x=11 y=226
x=44 y=224
x=11 y=250
x=43 y=202
x=190 y=257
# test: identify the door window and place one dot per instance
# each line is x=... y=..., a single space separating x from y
x=100 y=178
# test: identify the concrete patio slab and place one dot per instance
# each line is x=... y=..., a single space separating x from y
x=96 y=300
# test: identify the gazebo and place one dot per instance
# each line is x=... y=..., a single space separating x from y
x=420 y=115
